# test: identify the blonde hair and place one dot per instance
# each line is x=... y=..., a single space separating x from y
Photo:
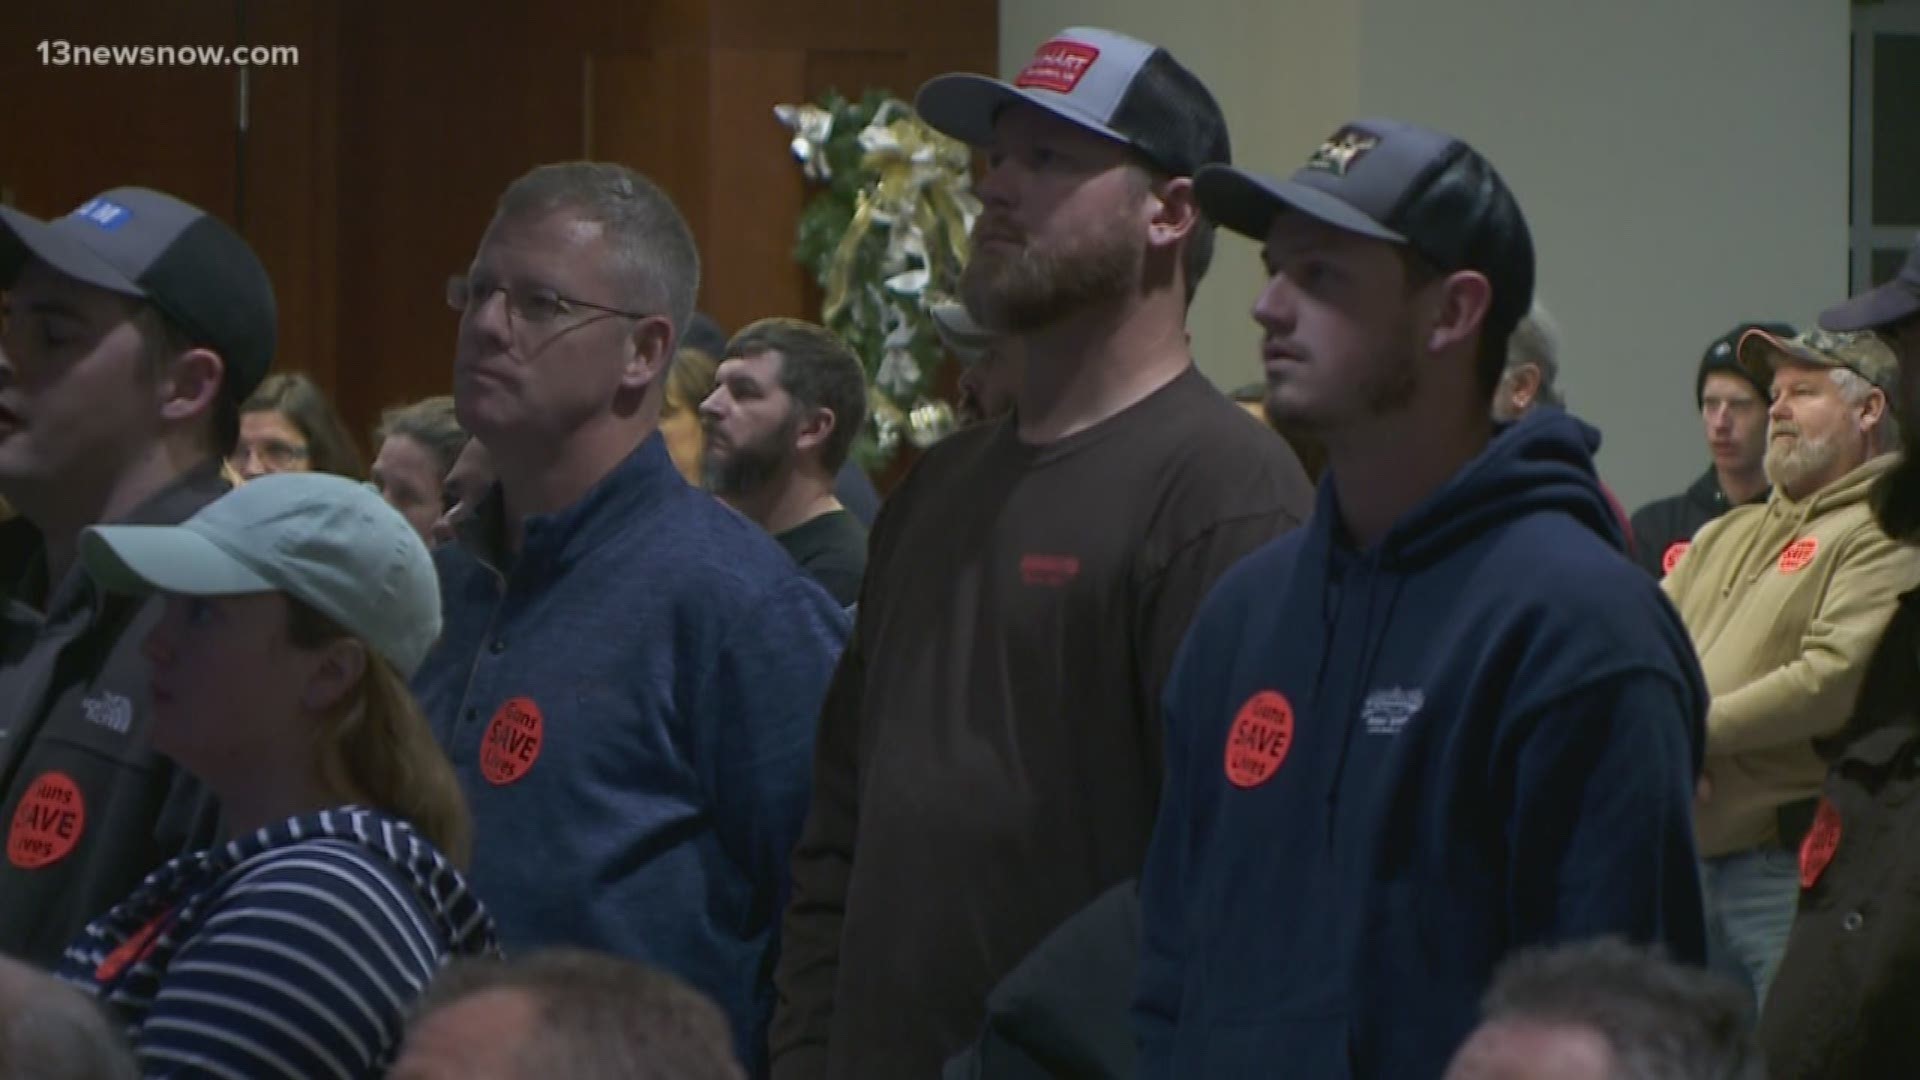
x=377 y=750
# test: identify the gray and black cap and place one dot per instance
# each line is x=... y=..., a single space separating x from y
x=1400 y=183
x=171 y=254
x=1106 y=82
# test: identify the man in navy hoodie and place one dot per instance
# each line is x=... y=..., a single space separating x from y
x=1447 y=719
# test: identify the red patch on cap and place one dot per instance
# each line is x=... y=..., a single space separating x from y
x=1262 y=734
x=1798 y=555
x=1672 y=557
x=48 y=822
x=1058 y=66
x=131 y=951
x=1822 y=842
x=512 y=742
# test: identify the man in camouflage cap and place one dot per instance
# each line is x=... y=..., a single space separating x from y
x=1785 y=601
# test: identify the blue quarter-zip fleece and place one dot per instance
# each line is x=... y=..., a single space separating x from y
x=1389 y=768
x=630 y=708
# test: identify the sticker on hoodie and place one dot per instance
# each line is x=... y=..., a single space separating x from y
x=1672 y=557
x=1822 y=842
x=1798 y=555
x=512 y=742
x=1262 y=734
x=48 y=822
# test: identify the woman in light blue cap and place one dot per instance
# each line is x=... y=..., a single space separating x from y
x=296 y=608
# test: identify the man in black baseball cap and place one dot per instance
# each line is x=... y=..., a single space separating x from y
x=1035 y=576
x=1443 y=721
x=134 y=327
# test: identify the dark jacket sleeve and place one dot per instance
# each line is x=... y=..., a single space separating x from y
x=822 y=865
x=1600 y=833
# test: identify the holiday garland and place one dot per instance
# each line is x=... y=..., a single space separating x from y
x=885 y=237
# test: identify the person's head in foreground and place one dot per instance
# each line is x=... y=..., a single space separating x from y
x=565 y=1013
x=1606 y=1010
x=296 y=608
x=1831 y=408
x=50 y=1032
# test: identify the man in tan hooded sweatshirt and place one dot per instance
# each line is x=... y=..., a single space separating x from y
x=1785 y=601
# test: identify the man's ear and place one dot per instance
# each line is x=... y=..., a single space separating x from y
x=190 y=385
x=1873 y=410
x=1462 y=300
x=650 y=352
x=816 y=427
x=1175 y=211
x=1521 y=385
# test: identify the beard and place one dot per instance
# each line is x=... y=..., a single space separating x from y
x=1019 y=289
x=1789 y=464
x=751 y=466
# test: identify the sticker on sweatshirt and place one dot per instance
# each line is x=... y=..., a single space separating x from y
x=1822 y=842
x=1051 y=571
x=1671 y=558
x=1798 y=555
x=1261 y=736
x=512 y=742
x=48 y=822
x=1385 y=712
x=131 y=951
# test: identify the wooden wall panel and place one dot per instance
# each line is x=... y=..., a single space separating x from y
x=368 y=171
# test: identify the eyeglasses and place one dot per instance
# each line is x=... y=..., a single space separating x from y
x=531 y=306
x=275 y=455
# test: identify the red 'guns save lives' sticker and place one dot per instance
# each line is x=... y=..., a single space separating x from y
x=1261 y=736
x=1821 y=844
x=1798 y=555
x=512 y=742
x=48 y=822
x=1672 y=557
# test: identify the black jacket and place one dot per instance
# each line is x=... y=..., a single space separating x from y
x=1663 y=527
x=1845 y=1000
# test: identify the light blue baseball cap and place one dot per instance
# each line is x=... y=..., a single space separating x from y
x=330 y=542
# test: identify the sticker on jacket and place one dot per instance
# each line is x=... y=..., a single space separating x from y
x=1672 y=557
x=1798 y=555
x=1822 y=842
x=512 y=742
x=1385 y=712
x=1261 y=736
x=48 y=822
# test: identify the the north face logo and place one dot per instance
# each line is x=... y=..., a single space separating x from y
x=110 y=710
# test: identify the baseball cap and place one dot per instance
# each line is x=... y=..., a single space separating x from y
x=1400 y=183
x=963 y=337
x=176 y=256
x=1862 y=353
x=1103 y=81
x=1893 y=301
x=1721 y=357
x=330 y=542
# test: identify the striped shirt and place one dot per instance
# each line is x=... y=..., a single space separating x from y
x=295 y=951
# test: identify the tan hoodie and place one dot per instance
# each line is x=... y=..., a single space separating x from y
x=1785 y=601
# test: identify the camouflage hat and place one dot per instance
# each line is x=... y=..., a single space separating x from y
x=1862 y=353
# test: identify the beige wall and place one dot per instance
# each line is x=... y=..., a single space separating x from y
x=1683 y=165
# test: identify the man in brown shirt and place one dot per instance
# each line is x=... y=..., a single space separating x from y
x=989 y=756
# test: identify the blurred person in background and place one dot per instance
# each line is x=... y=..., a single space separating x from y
x=415 y=447
x=288 y=425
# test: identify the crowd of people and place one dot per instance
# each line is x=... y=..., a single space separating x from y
x=618 y=728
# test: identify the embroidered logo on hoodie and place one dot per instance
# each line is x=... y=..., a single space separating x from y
x=1385 y=712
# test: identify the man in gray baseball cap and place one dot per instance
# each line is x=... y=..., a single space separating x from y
x=1035 y=575
x=134 y=327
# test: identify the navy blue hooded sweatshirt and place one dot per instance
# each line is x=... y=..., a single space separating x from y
x=1389 y=768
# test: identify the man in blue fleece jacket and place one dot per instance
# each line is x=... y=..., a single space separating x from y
x=630 y=672
x=1445 y=720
